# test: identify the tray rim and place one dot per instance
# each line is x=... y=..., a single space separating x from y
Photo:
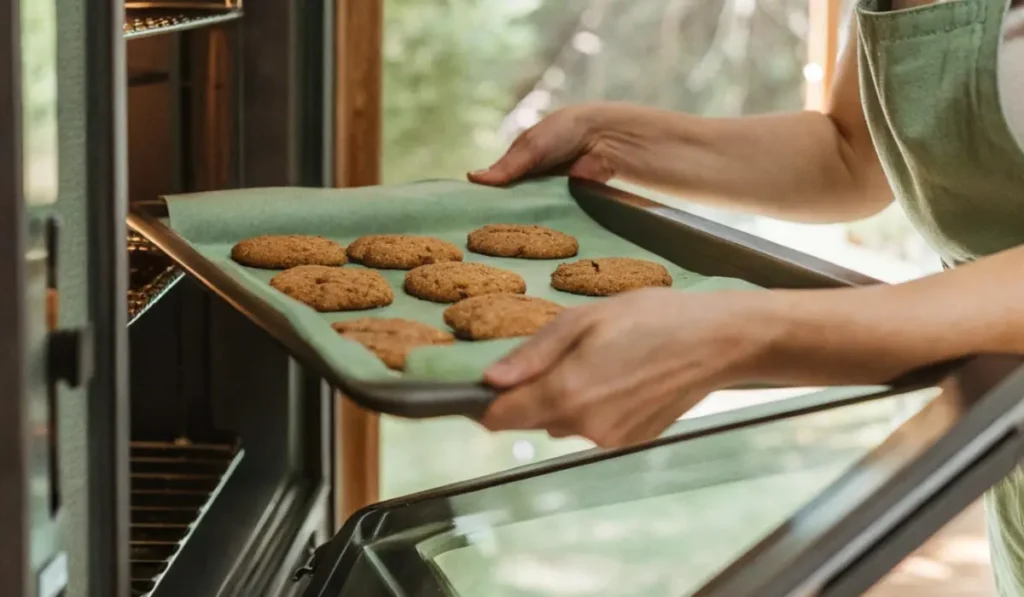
x=426 y=399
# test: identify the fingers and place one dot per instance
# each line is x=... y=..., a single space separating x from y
x=555 y=142
x=517 y=164
x=566 y=401
x=510 y=168
x=546 y=401
x=542 y=351
x=526 y=155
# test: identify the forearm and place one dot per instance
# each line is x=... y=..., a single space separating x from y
x=795 y=166
x=874 y=334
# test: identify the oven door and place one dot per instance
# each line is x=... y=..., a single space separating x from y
x=34 y=559
x=822 y=494
x=74 y=358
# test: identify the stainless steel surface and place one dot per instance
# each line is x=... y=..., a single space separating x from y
x=107 y=414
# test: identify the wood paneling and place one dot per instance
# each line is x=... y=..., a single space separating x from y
x=359 y=31
x=357 y=162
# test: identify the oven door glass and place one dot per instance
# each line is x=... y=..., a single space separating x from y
x=769 y=491
x=39 y=100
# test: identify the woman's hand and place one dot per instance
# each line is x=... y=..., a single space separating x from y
x=623 y=370
x=596 y=141
x=566 y=142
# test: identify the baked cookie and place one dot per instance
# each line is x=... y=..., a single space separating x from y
x=523 y=241
x=400 y=251
x=493 y=316
x=333 y=288
x=282 y=251
x=392 y=339
x=608 y=276
x=451 y=282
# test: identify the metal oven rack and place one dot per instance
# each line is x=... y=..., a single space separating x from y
x=171 y=486
x=153 y=18
x=150 y=275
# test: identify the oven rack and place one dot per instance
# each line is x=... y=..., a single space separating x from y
x=150 y=275
x=172 y=484
x=145 y=22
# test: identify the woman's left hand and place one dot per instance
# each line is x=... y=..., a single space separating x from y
x=622 y=370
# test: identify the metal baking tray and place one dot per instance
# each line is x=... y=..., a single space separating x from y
x=690 y=242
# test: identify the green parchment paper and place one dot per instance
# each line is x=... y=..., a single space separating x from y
x=213 y=222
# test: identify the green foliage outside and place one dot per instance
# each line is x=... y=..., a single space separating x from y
x=454 y=69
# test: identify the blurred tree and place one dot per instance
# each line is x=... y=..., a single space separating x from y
x=445 y=65
x=464 y=76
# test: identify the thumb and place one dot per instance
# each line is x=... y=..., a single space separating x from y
x=592 y=167
x=517 y=162
x=542 y=351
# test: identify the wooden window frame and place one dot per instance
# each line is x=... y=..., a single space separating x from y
x=358 y=63
x=822 y=49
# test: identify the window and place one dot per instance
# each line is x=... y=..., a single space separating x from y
x=462 y=79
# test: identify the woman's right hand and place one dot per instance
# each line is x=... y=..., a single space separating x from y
x=579 y=141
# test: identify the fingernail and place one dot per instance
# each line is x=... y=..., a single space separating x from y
x=479 y=172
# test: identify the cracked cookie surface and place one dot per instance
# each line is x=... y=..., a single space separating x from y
x=494 y=316
x=283 y=251
x=608 y=276
x=401 y=251
x=392 y=339
x=521 y=241
x=328 y=289
x=454 y=281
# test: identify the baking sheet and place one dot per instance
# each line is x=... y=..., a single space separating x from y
x=213 y=222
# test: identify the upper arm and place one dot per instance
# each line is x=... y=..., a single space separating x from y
x=847 y=114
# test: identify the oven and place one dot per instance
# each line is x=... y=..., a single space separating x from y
x=229 y=455
x=154 y=441
x=196 y=459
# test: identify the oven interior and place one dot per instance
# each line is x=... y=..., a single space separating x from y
x=230 y=444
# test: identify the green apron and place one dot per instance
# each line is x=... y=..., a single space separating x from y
x=929 y=85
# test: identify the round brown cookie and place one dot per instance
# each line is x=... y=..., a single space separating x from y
x=608 y=276
x=400 y=251
x=495 y=316
x=451 y=282
x=283 y=251
x=523 y=241
x=357 y=248
x=334 y=288
x=392 y=339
